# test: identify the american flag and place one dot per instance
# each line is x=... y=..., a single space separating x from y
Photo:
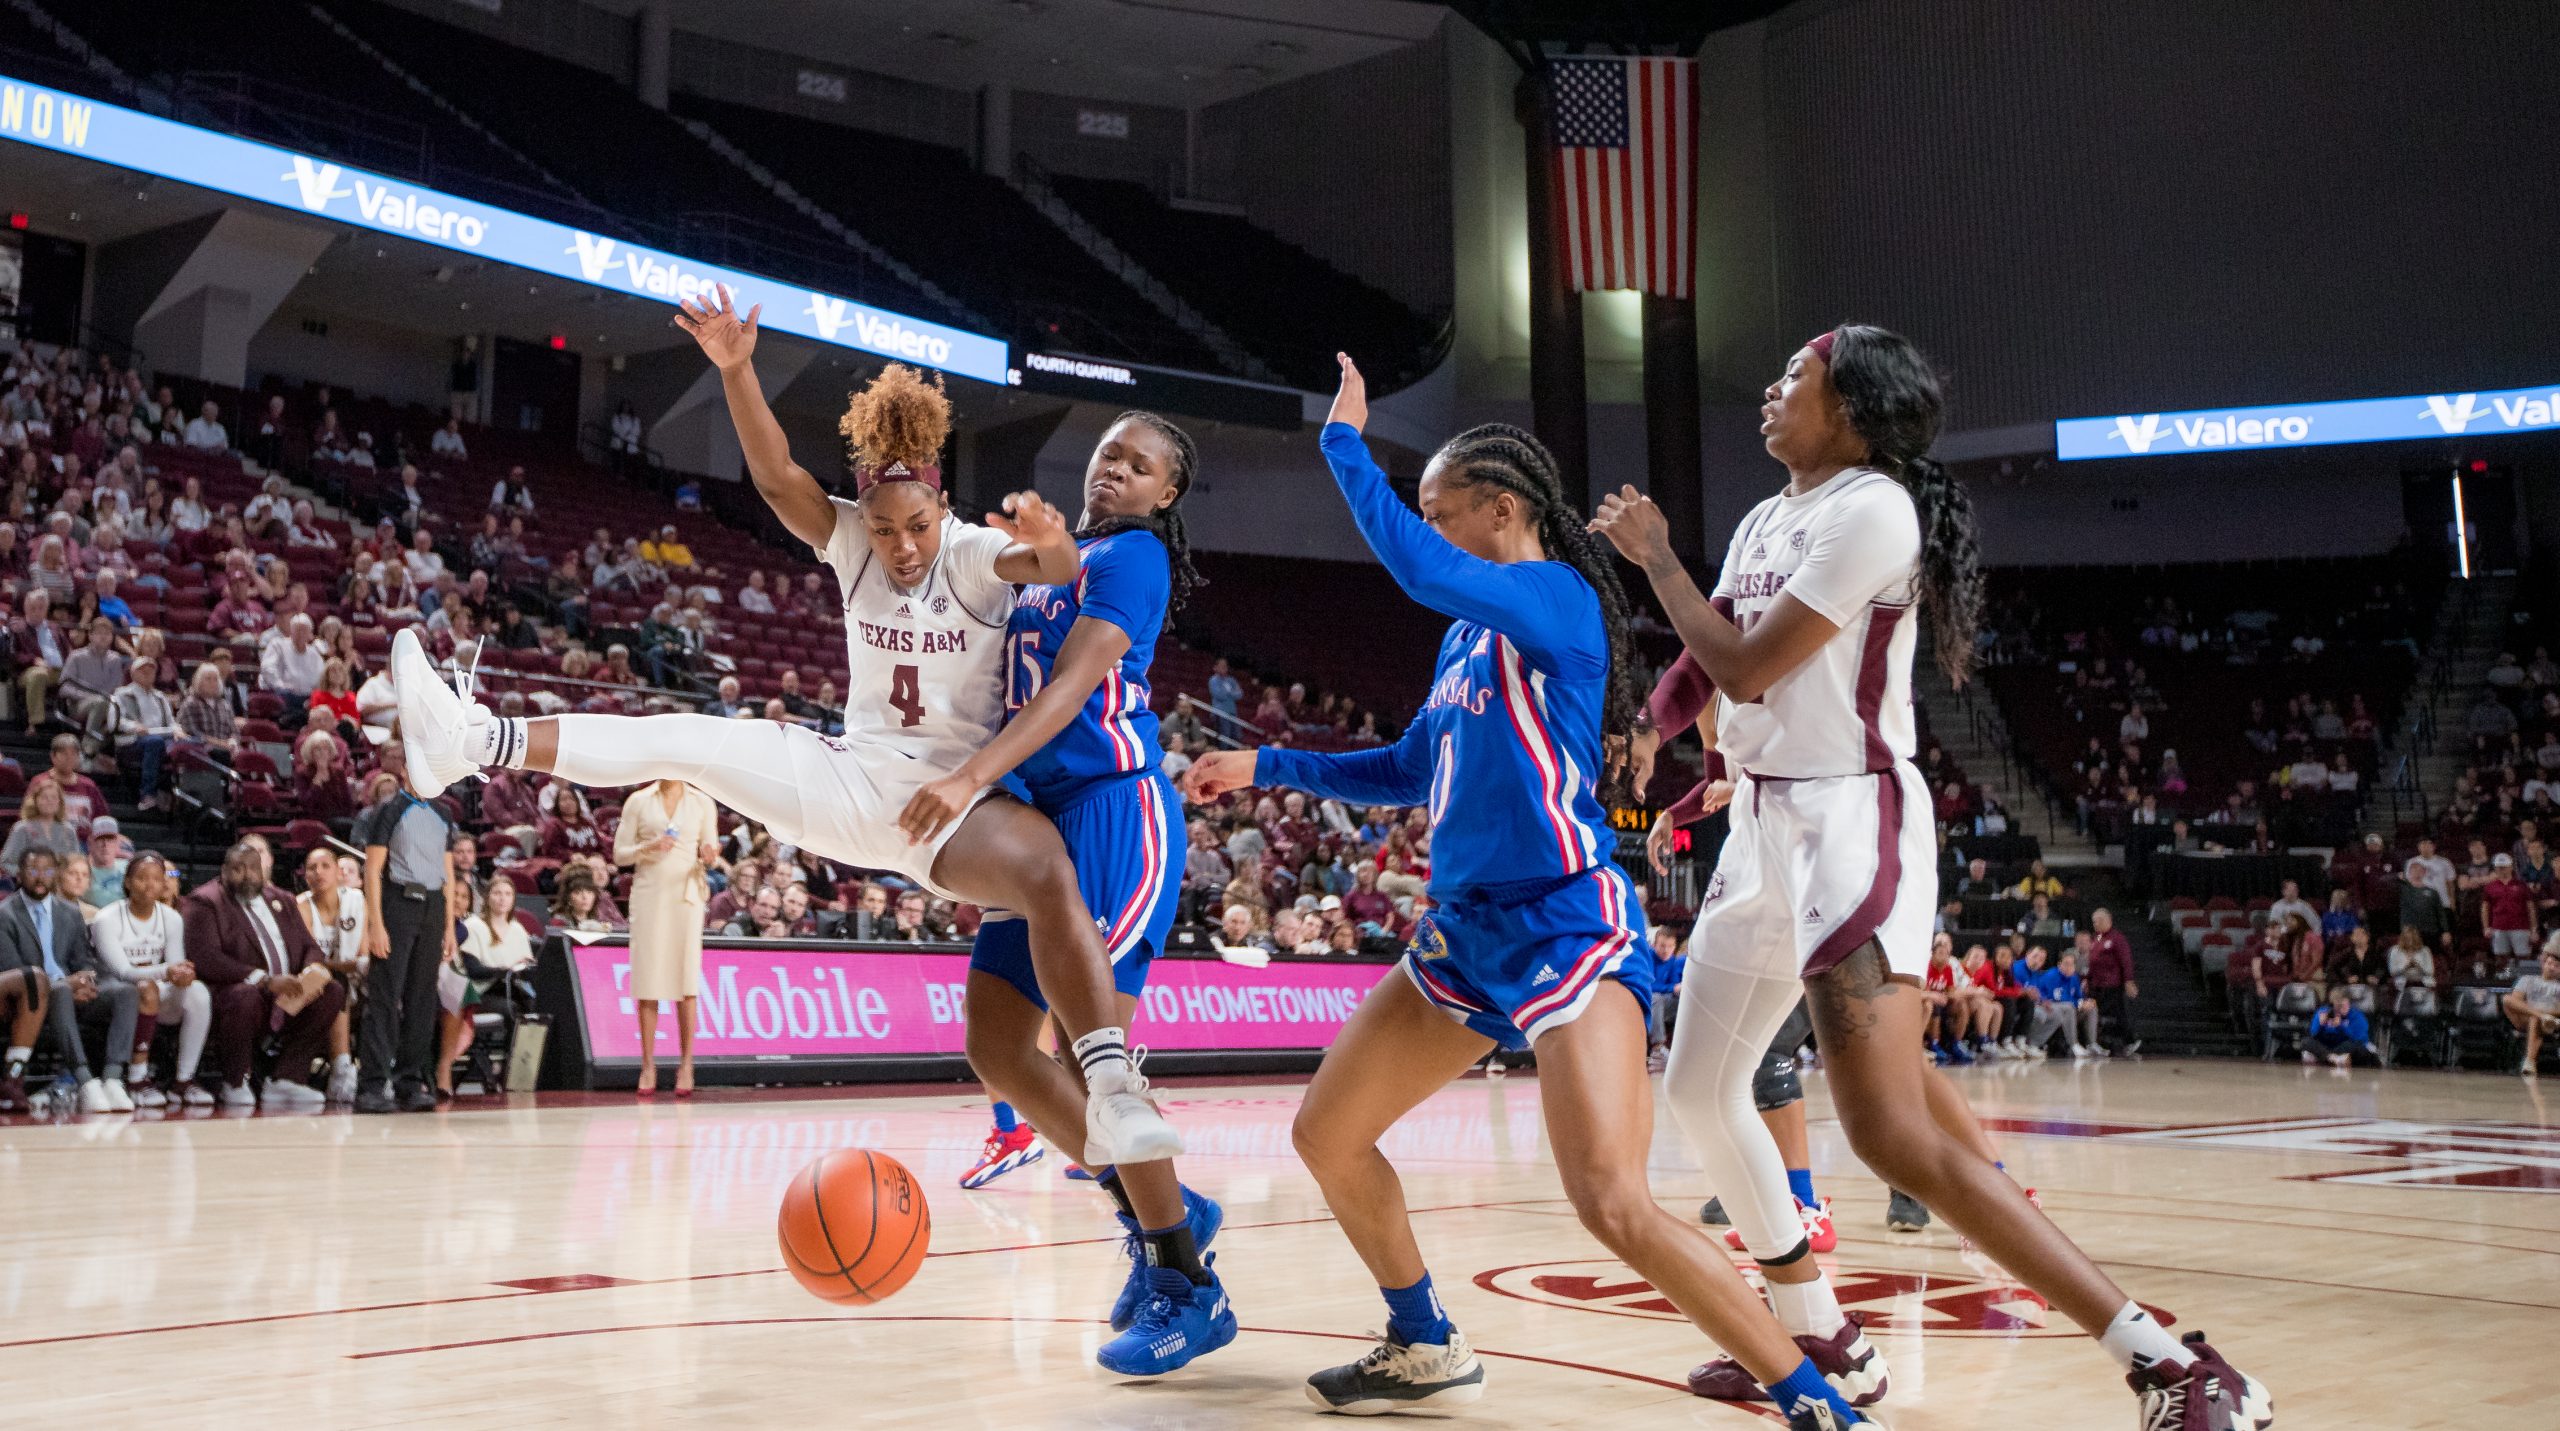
x=1626 y=145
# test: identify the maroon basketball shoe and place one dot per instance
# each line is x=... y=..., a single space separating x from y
x=1845 y=1358
x=2207 y=1394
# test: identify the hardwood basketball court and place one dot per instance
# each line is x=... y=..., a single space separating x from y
x=2383 y=1250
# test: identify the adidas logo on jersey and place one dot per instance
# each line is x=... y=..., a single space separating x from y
x=906 y=608
x=1759 y=551
x=1812 y=916
x=1546 y=974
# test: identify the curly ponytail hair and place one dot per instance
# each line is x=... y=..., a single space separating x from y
x=897 y=417
x=1500 y=455
x=1895 y=403
x=1164 y=521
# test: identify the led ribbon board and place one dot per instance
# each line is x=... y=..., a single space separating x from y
x=2314 y=424
x=68 y=124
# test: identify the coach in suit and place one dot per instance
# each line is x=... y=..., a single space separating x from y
x=41 y=931
x=249 y=944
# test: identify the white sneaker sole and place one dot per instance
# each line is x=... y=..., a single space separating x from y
x=1009 y=1162
x=432 y=719
x=1462 y=1395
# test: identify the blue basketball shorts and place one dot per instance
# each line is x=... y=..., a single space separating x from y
x=1127 y=844
x=1512 y=970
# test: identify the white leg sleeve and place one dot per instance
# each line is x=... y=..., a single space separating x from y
x=195 y=1020
x=1727 y=1018
x=744 y=764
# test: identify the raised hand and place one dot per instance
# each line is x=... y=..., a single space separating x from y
x=1032 y=521
x=1635 y=526
x=727 y=339
x=1351 y=400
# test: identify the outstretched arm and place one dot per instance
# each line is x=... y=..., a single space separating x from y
x=1398 y=774
x=1538 y=607
x=729 y=341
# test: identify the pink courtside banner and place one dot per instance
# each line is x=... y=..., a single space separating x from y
x=838 y=1003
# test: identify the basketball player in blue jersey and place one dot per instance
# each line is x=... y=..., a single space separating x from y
x=1537 y=938
x=1081 y=747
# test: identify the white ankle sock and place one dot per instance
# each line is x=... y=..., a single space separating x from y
x=499 y=741
x=2137 y=1341
x=18 y=1060
x=344 y=1060
x=1104 y=1056
x=1806 y=1309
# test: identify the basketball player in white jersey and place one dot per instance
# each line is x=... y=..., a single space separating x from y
x=1825 y=886
x=926 y=598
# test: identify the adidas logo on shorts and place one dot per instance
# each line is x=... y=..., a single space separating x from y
x=1546 y=974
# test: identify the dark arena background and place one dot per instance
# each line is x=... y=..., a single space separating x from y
x=337 y=329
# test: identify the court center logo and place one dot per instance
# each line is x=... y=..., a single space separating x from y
x=1912 y=1303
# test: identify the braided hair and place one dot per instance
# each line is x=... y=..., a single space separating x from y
x=1500 y=455
x=1895 y=402
x=1164 y=521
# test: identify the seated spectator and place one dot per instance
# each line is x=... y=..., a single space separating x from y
x=206 y=433
x=2533 y=1007
x=206 y=715
x=189 y=514
x=728 y=704
x=249 y=942
x=141 y=718
x=2411 y=963
x=141 y=941
x=2340 y=1033
x=570 y=829
x=332 y=908
x=90 y=677
x=761 y=918
x=2040 y=921
x=668 y=551
x=42 y=931
x=448 y=442
x=2038 y=881
x=1977 y=882
x=1236 y=931
x=511 y=494
x=574 y=903
x=2063 y=1005
x=304 y=531
x=42 y=825
x=492 y=945
x=410 y=502
x=2338 y=919
x=425 y=563
x=292 y=667
x=241 y=616
x=271 y=511
x=909 y=924
x=753 y=598
x=2291 y=903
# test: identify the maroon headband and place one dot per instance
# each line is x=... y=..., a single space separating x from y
x=866 y=478
x=1822 y=346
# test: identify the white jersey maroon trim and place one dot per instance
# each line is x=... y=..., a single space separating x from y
x=1850 y=550
x=924 y=665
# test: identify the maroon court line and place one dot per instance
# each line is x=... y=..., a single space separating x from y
x=2146 y=1267
x=1765 y=1413
x=627 y=1282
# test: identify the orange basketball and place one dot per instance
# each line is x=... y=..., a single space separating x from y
x=854 y=1227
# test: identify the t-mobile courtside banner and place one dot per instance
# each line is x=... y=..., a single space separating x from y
x=2310 y=424
x=66 y=123
x=798 y=1002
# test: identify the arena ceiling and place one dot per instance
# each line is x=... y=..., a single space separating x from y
x=1181 y=53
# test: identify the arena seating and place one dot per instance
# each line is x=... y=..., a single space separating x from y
x=912 y=199
x=1294 y=309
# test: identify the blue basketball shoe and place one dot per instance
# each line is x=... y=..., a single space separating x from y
x=1205 y=1216
x=1176 y=1323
